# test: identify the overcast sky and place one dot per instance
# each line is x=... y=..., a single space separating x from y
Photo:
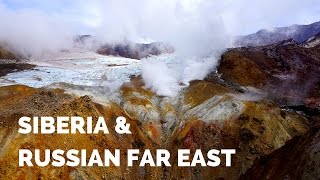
x=239 y=16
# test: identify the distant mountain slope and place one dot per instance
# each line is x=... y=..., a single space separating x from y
x=298 y=33
x=126 y=49
x=135 y=50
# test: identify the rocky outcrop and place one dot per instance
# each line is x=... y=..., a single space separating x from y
x=135 y=50
x=248 y=131
x=9 y=66
x=302 y=161
x=288 y=71
x=204 y=116
x=313 y=41
x=17 y=101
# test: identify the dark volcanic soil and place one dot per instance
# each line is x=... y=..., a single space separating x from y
x=6 y=68
x=10 y=62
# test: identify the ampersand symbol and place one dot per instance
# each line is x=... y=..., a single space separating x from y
x=122 y=127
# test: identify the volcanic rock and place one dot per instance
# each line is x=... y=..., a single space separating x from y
x=302 y=161
x=20 y=101
x=135 y=50
x=289 y=71
x=205 y=116
x=215 y=113
x=9 y=66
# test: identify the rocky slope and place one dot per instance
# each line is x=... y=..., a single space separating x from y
x=204 y=116
x=288 y=72
x=21 y=100
x=207 y=115
x=301 y=163
x=263 y=102
x=299 y=33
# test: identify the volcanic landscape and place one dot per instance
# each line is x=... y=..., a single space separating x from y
x=262 y=100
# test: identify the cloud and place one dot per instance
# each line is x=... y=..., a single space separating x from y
x=248 y=16
x=155 y=19
x=240 y=16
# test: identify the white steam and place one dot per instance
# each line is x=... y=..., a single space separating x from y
x=29 y=32
x=160 y=78
x=167 y=79
x=197 y=32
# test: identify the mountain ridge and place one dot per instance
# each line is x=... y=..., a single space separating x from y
x=299 y=33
